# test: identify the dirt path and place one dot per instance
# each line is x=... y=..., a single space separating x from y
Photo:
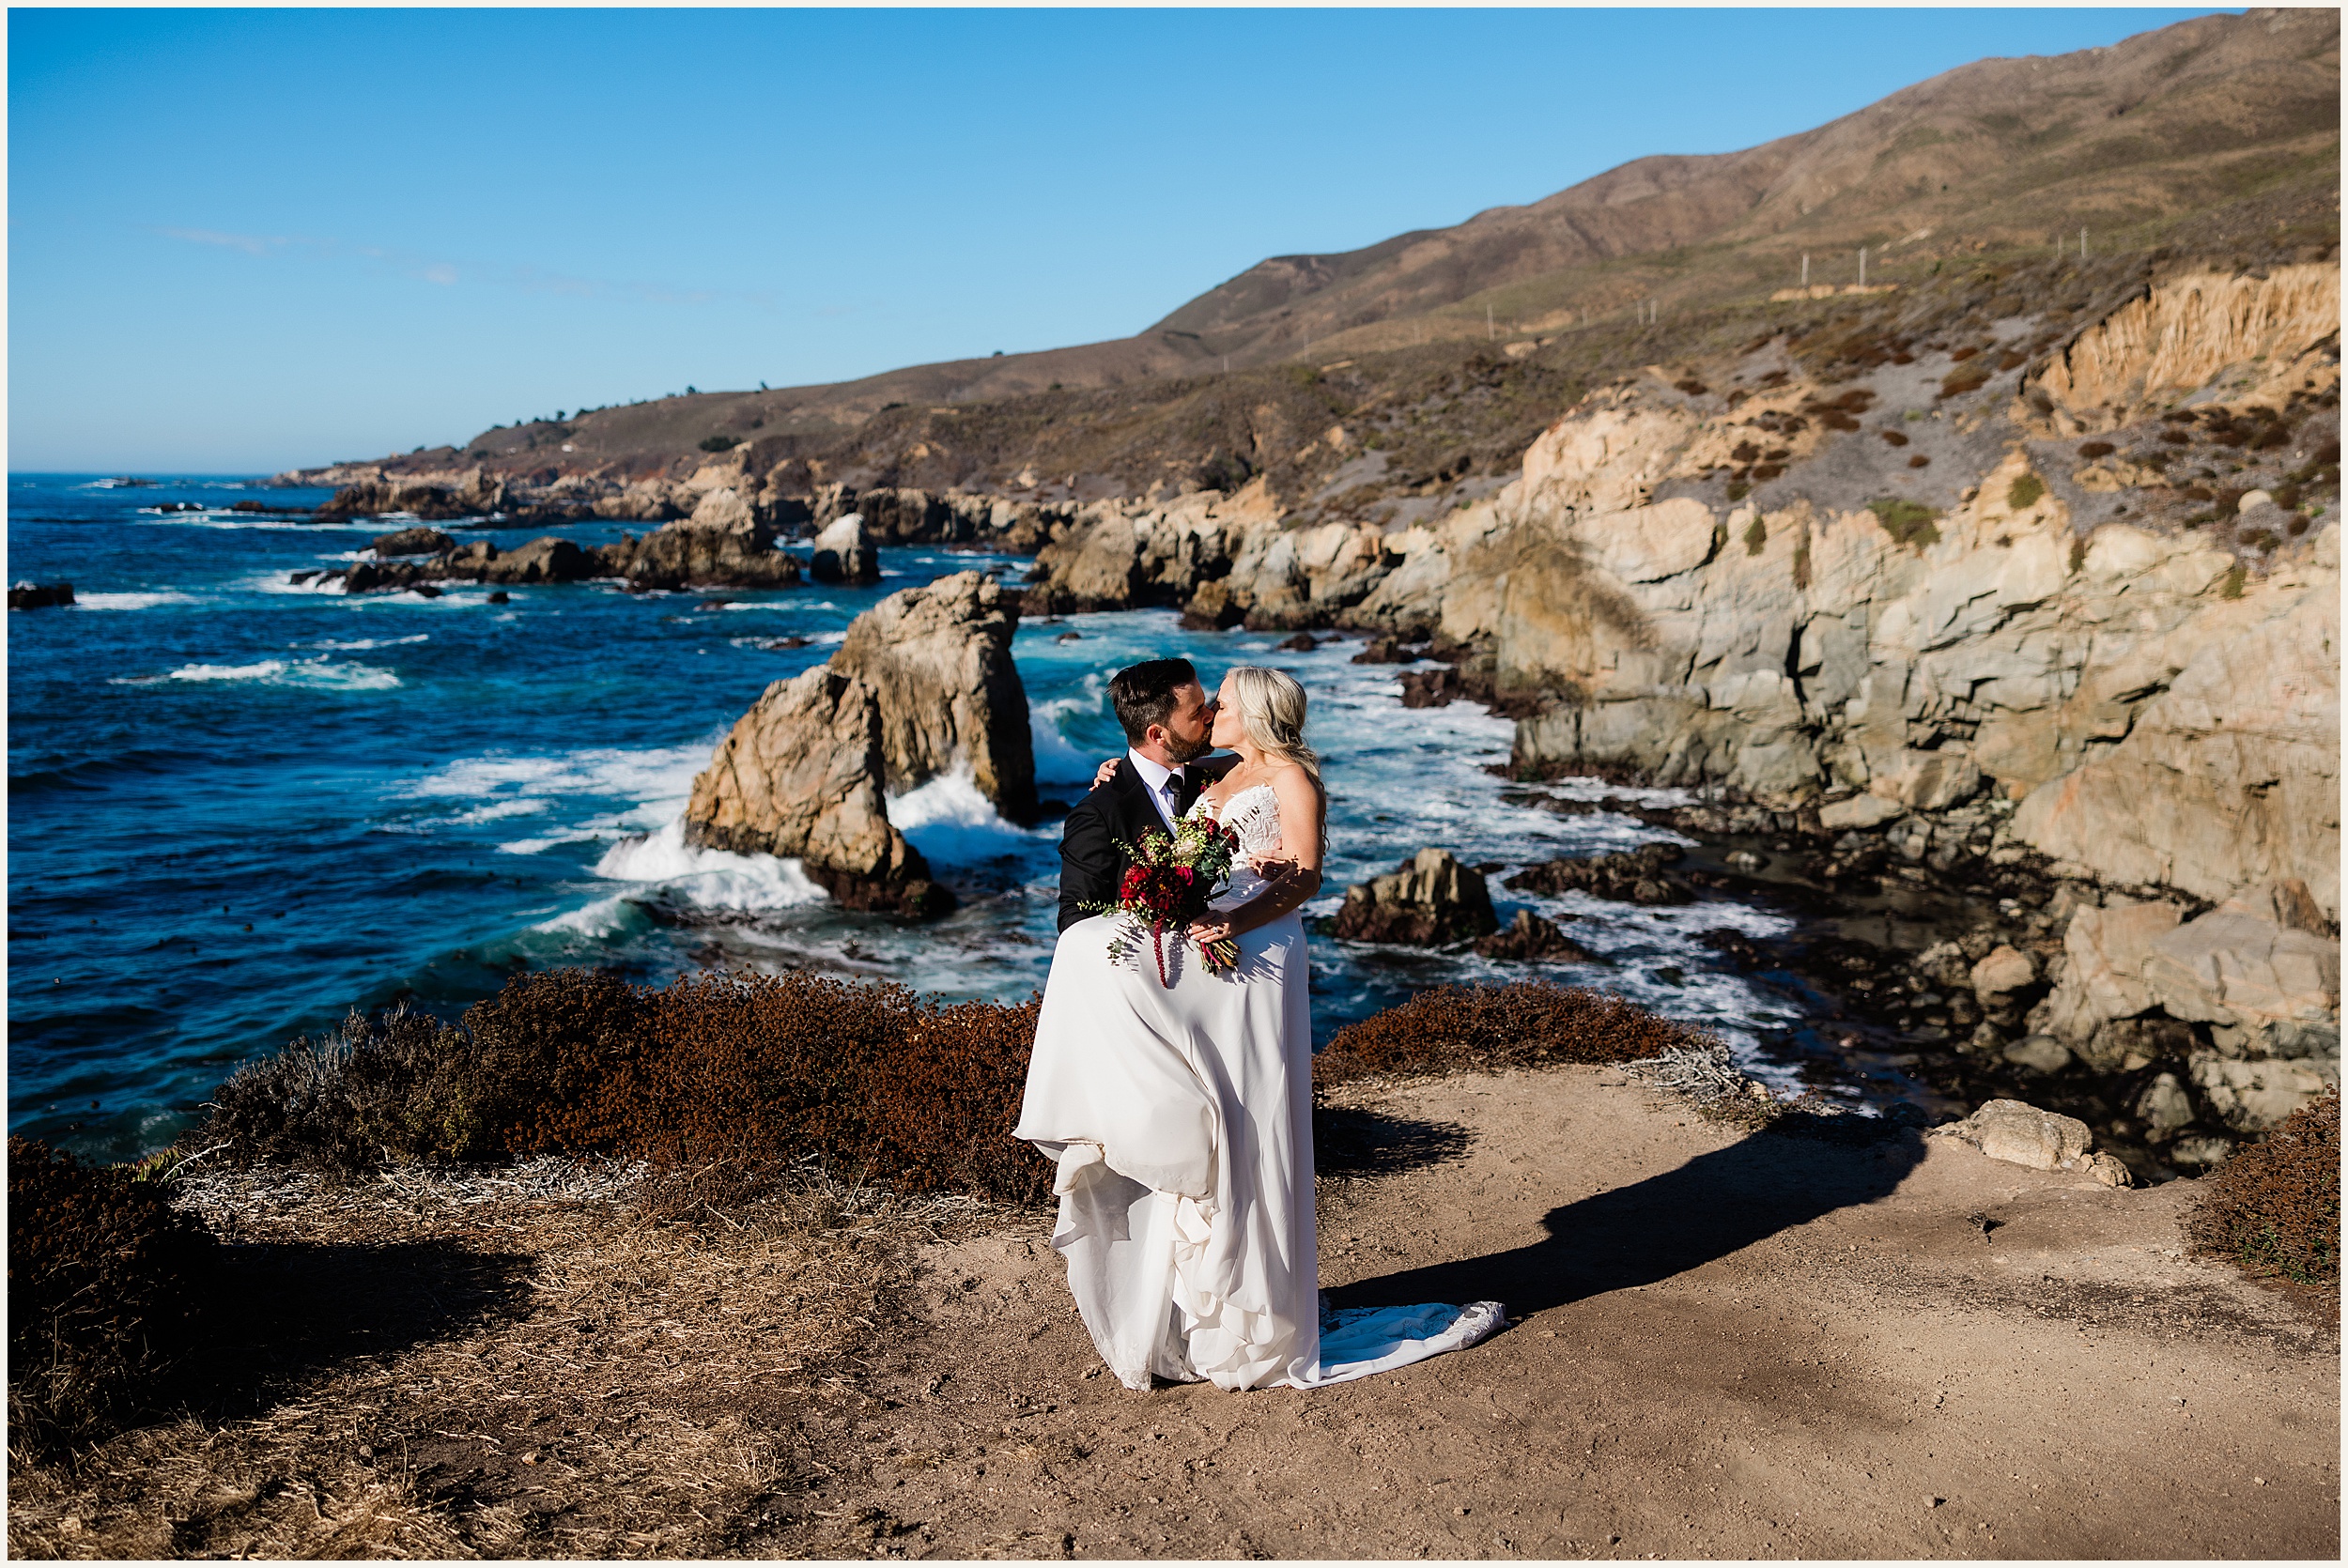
x=1722 y=1346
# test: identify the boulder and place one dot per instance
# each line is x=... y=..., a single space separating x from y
x=412 y=541
x=543 y=559
x=2103 y=953
x=845 y=552
x=2003 y=973
x=800 y=776
x=1430 y=900
x=723 y=510
x=2258 y=982
x=1860 y=812
x=2039 y=1053
x=2019 y=1133
x=35 y=595
x=950 y=697
x=2164 y=1108
x=2253 y=1097
x=2126 y=1044
x=1529 y=936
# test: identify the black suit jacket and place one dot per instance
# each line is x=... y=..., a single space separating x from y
x=1091 y=866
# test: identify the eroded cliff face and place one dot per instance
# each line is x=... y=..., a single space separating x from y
x=922 y=686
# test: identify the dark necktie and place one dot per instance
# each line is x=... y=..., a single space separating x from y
x=1172 y=791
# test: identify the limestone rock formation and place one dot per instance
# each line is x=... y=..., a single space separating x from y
x=432 y=496
x=924 y=686
x=720 y=546
x=2021 y=1135
x=1431 y=899
x=800 y=776
x=845 y=552
x=939 y=658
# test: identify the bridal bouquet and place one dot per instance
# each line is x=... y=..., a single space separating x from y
x=1170 y=884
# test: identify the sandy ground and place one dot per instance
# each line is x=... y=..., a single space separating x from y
x=1721 y=1345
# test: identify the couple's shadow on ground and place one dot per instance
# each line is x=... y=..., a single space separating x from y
x=1797 y=1170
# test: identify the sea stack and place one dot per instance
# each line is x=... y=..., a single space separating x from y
x=924 y=686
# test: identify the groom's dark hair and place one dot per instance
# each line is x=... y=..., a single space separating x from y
x=1143 y=694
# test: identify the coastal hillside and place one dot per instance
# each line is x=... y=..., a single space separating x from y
x=2127 y=143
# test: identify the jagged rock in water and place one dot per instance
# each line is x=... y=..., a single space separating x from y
x=543 y=559
x=845 y=552
x=35 y=595
x=436 y=497
x=1634 y=876
x=1430 y=688
x=949 y=695
x=800 y=776
x=1430 y=900
x=1529 y=936
x=691 y=553
x=412 y=541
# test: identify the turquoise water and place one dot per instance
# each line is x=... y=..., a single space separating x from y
x=239 y=808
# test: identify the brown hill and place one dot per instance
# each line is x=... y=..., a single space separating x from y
x=2127 y=142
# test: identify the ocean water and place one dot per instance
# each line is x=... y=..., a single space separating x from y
x=240 y=808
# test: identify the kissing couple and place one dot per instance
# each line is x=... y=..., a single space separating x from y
x=1177 y=1107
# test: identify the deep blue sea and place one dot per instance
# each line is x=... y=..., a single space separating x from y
x=239 y=808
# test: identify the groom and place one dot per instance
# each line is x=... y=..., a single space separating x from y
x=1166 y=714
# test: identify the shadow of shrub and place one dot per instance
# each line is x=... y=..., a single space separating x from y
x=107 y=1285
x=2274 y=1208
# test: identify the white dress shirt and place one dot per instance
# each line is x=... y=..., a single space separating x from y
x=1153 y=777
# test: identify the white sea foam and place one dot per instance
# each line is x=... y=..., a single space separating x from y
x=318 y=675
x=361 y=645
x=604 y=918
x=131 y=601
x=498 y=811
x=714 y=879
x=660 y=772
x=951 y=822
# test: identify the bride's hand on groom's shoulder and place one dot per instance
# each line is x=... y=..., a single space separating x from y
x=1107 y=771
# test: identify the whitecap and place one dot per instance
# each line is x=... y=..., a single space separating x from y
x=604 y=918
x=660 y=772
x=131 y=601
x=361 y=645
x=318 y=674
x=949 y=822
x=261 y=672
x=713 y=878
x=498 y=811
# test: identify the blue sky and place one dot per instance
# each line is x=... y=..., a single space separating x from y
x=241 y=240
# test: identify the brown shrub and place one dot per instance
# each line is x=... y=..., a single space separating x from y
x=106 y=1281
x=1468 y=1028
x=747 y=1070
x=1964 y=378
x=2274 y=1208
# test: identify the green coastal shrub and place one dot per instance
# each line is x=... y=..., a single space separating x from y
x=719 y=444
x=1908 y=522
x=2274 y=1208
x=2024 y=491
x=106 y=1285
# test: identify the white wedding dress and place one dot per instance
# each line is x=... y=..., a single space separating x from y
x=1181 y=1119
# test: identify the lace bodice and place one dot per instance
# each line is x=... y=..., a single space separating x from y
x=1254 y=814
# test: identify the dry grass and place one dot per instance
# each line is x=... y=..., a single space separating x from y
x=564 y=1375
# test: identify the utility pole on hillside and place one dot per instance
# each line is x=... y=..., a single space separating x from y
x=1488 y=321
x=1862 y=266
x=1805 y=269
x=2082 y=247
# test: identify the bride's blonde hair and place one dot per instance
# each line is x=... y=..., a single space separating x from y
x=1272 y=709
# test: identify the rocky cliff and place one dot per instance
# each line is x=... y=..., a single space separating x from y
x=922 y=687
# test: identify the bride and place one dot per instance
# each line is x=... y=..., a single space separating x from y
x=1180 y=1116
